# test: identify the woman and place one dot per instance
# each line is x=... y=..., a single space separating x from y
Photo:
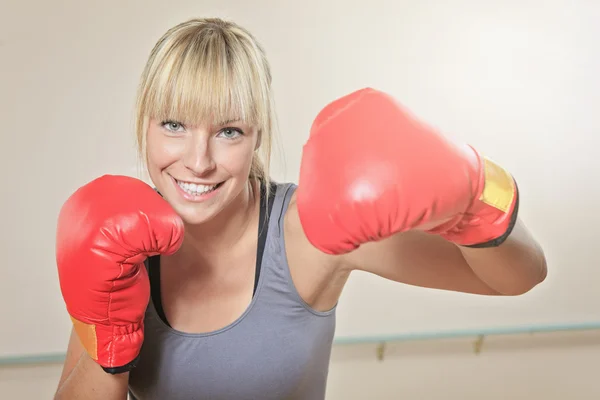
x=224 y=284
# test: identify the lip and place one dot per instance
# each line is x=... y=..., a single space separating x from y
x=196 y=199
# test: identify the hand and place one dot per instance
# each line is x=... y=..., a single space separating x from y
x=370 y=170
x=106 y=230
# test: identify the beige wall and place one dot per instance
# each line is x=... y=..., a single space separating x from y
x=519 y=80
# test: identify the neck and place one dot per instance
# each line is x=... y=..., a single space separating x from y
x=222 y=233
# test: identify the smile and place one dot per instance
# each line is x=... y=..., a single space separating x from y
x=196 y=189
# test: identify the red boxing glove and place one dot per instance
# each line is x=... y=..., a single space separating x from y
x=370 y=170
x=106 y=230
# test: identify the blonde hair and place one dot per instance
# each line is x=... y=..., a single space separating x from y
x=209 y=69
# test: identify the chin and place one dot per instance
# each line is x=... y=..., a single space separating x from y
x=195 y=213
x=195 y=216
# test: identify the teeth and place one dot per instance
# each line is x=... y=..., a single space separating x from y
x=194 y=189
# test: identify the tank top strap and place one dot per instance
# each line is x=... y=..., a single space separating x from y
x=281 y=201
x=276 y=286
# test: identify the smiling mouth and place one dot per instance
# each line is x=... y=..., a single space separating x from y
x=195 y=189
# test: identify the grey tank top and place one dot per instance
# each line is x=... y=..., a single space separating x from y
x=279 y=348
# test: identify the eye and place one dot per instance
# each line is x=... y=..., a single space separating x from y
x=173 y=126
x=230 y=133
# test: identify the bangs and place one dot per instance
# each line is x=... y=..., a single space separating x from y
x=202 y=80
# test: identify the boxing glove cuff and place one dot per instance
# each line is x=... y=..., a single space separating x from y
x=511 y=224
x=115 y=349
x=491 y=217
x=125 y=368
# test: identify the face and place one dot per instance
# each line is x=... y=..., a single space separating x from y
x=200 y=170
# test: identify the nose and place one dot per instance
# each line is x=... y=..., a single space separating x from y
x=198 y=157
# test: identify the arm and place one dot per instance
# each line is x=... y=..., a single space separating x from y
x=512 y=268
x=104 y=282
x=422 y=259
x=393 y=196
x=83 y=378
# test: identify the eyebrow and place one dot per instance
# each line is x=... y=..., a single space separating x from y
x=229 y=121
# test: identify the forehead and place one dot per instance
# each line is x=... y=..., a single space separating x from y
x=204 y=81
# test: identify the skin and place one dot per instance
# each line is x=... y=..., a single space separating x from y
x=209 y=282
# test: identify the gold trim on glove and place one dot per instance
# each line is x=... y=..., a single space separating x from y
x=87 y=336
x=499 y=190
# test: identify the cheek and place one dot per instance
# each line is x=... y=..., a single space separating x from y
x=162 y=152
x=236 y=159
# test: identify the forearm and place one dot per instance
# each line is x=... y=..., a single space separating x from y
x=89 y=381
x=514 y=267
